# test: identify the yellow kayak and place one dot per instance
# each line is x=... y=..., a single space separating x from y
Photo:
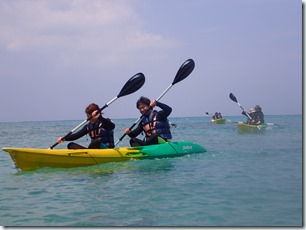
x=32 y=158
x=247 y=128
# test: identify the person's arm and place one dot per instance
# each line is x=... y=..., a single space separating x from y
x=165 y=112
x=262 y=118
x=244 y=113
x=135 y=132
x=74 y=136
x=259 y=118
x=107 y=123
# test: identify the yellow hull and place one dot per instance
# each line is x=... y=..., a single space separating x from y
x=246 y=128
x=29 y=159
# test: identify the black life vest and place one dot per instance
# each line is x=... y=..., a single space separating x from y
x=151 y=126
x=96 y=131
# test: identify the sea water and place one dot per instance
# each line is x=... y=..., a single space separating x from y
x=242 y=179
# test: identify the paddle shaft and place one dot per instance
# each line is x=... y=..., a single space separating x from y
x=245 y=111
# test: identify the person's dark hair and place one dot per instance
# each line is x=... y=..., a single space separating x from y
x=92 y=107
x=143 y=100
x=257 y=108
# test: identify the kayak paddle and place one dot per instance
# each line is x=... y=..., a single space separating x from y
x=233 y=98
x=183 y=72
x=131 y=86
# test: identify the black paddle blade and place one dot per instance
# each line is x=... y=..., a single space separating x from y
x=184 y=71
x=232 y=96
x=132 y=85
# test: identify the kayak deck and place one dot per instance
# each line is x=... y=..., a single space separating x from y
x=32 y=158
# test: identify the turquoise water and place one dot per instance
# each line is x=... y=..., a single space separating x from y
x=242 y=179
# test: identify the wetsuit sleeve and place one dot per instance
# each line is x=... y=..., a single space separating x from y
x=136 y=131
x=164 y=113
x=77 y=135
x=107 y=123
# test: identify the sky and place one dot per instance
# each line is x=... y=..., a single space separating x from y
x=58 y=56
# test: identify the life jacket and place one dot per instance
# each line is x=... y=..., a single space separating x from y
x=151 y=126
x=96 y=131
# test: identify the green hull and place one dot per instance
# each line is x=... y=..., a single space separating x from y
x=218 y=121
x=31 y=158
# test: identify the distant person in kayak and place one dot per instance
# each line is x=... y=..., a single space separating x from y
x=217 y=116
x=257 y=116
x=100 y=130
x=154 y=124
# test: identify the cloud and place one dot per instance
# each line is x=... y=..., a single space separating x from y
x=72 y=30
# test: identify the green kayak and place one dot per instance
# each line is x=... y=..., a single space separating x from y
x=218 y=121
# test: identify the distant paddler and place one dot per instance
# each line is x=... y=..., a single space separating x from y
x=256 y=116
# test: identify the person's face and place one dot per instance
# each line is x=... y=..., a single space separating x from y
x=93 y=119
x=143 y=108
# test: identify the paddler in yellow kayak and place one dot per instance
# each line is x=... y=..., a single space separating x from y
x=100 y=130
x=257 y=116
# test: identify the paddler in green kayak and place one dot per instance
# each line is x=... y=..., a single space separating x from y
x=154 y=123
x=100 y=130
x=217 y=116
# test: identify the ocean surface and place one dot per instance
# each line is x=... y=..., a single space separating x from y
x=242 y=180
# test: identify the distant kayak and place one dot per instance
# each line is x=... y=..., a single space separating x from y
x=247 y=128
x=218 y=121
x=32 y=158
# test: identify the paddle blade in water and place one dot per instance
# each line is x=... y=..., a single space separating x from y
x=184 y=71
x=132 y=85
x=232 y=96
